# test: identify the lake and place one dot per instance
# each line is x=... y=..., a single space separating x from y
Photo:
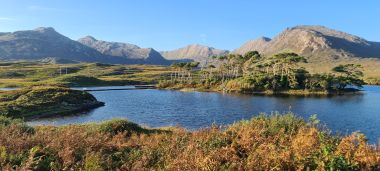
x=193 y=110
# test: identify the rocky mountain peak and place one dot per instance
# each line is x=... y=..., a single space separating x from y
x=45 y=29
x=315 y=42
x=41 y=43
x=258 y=44
x=196 y=52
x=325 y=31
x=265 y=39
x=88 y=38
x=124 y=50
x=103 y=46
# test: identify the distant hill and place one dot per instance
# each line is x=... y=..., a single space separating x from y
x=318 y=43
x=193 y=52
x=257 y=44
x=44 y=43
x=125 y=50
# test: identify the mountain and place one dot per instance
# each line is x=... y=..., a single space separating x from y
x=46 y=44
x=193 y=52
x=42 y=43
x=257 y=44
x=127 y=51
x=318 y=43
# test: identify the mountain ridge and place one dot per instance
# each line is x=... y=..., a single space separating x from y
x=317 y=42
x=124 y=50
x=257 y=44
x=196 y=52
x=44 y=42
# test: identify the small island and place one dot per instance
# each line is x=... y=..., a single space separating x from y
x=42 y=101
x=253 y=73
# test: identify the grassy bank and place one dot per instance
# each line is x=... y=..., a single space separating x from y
x=23 y=74
x=40 y=101
x=275 y=142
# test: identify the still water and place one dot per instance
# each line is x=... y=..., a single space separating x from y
x=193 y=110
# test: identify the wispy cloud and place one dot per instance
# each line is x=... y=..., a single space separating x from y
x=6 y=19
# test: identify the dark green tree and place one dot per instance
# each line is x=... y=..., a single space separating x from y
x=349 y=75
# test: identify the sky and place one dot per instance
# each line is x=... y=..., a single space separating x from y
x=171 y=24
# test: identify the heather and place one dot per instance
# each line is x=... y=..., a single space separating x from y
x=265 y=142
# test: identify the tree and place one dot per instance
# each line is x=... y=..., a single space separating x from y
x=286 y=65
x=173 y=75
x=251 y=62
x=252 y=54
x=179 y=71
x=354 y=70
x=349 y=75
x=189 y=68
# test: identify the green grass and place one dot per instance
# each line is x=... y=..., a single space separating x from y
x=83 y=74
x=22 y=74
x=41 y=101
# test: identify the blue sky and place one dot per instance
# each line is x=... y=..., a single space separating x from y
x=170 y=24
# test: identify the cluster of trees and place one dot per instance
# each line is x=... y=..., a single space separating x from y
x=281 y=71
x=183 y=71
x=343 y=76
x=230 y=67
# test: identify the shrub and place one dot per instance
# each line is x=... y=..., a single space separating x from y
x=78 y=80
x=92 y=163
x=116 y=126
